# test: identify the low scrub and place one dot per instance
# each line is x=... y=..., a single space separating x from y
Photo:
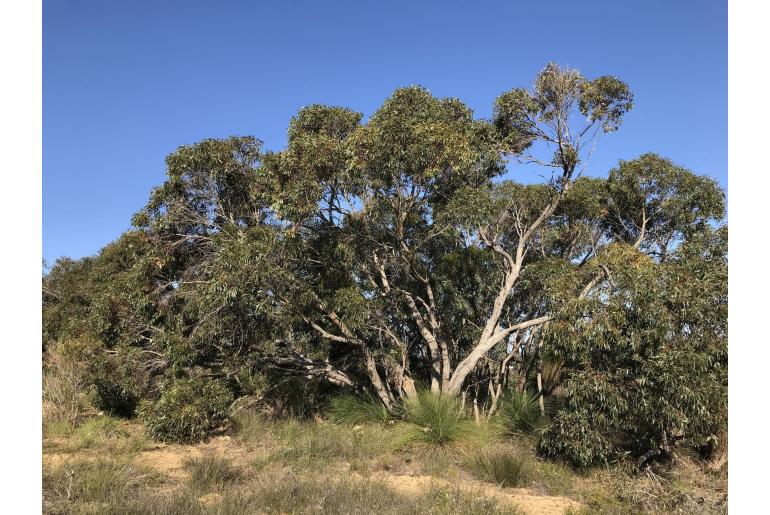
x=573 y=438
x=501 y=467
x=65 y=380
x=210 y=471
x=187 y=411
x=119 y=382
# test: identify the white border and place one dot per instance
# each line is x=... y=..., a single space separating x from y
x=749 y=195
x=21 y=137
x=21 y=143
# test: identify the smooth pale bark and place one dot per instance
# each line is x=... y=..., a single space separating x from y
x=379 y=386
x=467 y=365
x=430 y=340
x=540 y=400
x=491 y=335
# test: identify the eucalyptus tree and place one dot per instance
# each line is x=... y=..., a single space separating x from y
x=373 y=252
x=409 y=194
x=377 y=253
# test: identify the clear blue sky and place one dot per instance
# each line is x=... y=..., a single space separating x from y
x=125 y=83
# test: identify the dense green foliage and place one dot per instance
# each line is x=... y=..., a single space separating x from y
x=372 y=256
x=187 y=410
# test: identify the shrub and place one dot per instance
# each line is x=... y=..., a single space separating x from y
x=520 y=411
x=572 y=436
x=64 y=382
x=119 y=382
x=500 y=467
x=354 y=410
x=295 y=397
x=434 y=419
x=211 y=471
x=187 y=411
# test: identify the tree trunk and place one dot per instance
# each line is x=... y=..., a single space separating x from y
x=467 y=365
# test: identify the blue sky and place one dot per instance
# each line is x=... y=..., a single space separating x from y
x=125 y=83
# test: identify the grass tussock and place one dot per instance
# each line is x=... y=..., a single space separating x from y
x=520 y=412
x=356 y=410
x=500 y=467
x=434 y=420
x=210 y=472
x=96 y=431
x=251 y=428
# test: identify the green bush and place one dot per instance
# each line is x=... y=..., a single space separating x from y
x=187 y=411
x=500 y=467
x=574 y=437
x=354 y=410
x=434 y=419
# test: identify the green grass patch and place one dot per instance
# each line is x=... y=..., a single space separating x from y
x=308 y=444
x=501 y=467
x=251 y=429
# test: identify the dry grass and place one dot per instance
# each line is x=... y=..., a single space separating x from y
x=64 y=381
x=296 y=466
x=211 y=471
x=501 y=467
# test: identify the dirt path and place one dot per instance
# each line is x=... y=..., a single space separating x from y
x=169 y=459
x=527 y=501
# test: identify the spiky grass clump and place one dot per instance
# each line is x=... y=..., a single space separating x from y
x=500 y=467
x=434 y=420
x=520 y=411
x=355 y=410
x=210 y=471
